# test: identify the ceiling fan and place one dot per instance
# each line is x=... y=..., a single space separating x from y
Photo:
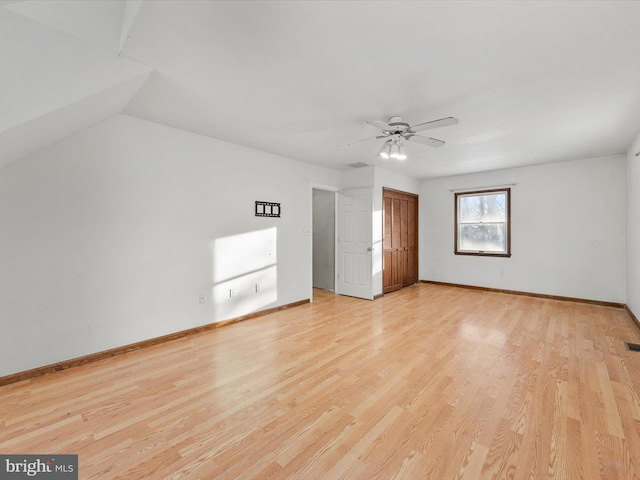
x=395 y=130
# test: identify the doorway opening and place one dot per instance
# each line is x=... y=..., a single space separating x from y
x=324 y=239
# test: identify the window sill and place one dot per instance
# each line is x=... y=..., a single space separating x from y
x=484 y=254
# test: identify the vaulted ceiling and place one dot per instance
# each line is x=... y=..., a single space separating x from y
x=530 y=82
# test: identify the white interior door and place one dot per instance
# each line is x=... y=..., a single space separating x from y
x=355 y=277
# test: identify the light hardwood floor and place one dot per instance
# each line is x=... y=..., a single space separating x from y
x=431 y=382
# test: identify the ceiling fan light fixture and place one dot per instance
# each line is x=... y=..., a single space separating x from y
x=397 y=151
x=394 y=151
x=385 y=151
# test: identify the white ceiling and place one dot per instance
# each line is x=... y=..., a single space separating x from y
x=530 y=82
x=96 y=20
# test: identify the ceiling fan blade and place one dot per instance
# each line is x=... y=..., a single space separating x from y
x=432 y=142
x=443 y=122
x=381 y=125
x=359 y=141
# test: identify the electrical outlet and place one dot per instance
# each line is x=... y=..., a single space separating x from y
x=257 y=287
x=201 y=298
x=232 y=292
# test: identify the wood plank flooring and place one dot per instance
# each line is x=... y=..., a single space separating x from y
x=432 y=382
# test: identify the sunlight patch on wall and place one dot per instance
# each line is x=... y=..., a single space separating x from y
x=245 y=273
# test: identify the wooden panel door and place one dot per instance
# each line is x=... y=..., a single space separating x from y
x=400 y=241
x=396 y=242
x=403 y=207
x=411 y=272
x=391 y=267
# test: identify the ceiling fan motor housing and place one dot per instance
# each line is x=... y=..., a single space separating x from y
x=398 y=125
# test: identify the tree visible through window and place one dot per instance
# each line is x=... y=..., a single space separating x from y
x=482 y=222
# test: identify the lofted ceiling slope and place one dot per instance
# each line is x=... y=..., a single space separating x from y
x=56 y=83
x=530 y=82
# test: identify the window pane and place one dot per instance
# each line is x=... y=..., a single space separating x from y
x=483 y=237
x=482 y=208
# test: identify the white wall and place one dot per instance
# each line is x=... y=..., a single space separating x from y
x=633 y=227
x=109 y=238
x=568 y=231
x=362 y=177
x=385 y=178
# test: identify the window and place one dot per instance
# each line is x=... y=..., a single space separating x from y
x=483 y=223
